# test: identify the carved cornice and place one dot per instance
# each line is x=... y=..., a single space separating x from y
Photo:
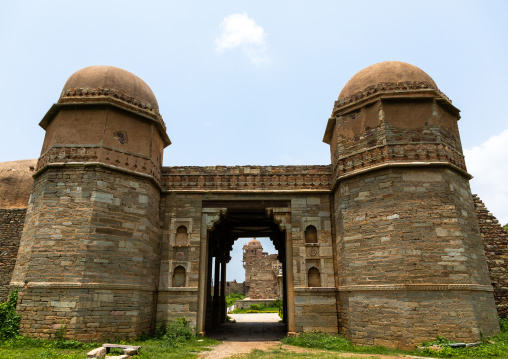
x=108 y=156
x=418 y=154
x=259 y=178
x=406 y=87
x=90 y=95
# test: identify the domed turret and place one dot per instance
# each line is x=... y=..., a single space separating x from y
x=94 y=209
x=389 y=74
x=392 y=112
x=105 y=115
x=101 y=83
x=389 y=78
x=401 y=200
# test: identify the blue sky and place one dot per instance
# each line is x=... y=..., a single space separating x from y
x=253 y=82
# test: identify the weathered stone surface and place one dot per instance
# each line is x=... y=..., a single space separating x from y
x=495 y=241
x=11 y=226
x=113 y=242
x=97 y=353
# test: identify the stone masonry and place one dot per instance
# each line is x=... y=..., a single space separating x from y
x=11 y=226
x=495 y=241
x=114 y=243
x=263 y=272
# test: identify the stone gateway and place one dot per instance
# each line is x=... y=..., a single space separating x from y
x=383 y=245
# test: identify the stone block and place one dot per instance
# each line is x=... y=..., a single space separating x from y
x=97 y=353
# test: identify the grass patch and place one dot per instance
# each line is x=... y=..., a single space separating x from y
x=273 y=307
x=172 y=340
x=281 y=353
x=317 y=340
x=253 y=310
x=493 y=347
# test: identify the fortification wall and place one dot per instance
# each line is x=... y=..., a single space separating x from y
x=264 y=282
x=408 y=243
x=88 y=254
x=495 y=241
x=11 y=226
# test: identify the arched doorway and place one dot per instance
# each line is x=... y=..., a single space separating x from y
x=233 y=220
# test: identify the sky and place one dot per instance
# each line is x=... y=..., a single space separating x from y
x=254 y=82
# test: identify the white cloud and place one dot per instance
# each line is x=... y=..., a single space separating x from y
x=238 y=30
x=488 y=164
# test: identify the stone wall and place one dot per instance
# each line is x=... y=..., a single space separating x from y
x=263 y=277
x=316 y=309
x=408 y=246
x=89 y=253
x=179 y=210
x=495 y=240
x=235 y=287
x=11 y=226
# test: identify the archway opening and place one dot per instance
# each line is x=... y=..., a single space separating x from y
x=245 y=222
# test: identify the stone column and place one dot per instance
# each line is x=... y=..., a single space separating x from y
x=223 y=303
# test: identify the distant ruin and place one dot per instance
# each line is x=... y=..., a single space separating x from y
x=109 y=241
x=263 y=272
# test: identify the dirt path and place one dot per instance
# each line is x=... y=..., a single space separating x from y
x=263 y=331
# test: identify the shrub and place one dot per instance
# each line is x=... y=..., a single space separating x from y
x=233 y=297
x=175 y=333
x=9 y=319
x=276 y=303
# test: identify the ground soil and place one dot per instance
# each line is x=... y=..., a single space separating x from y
x=262 y=331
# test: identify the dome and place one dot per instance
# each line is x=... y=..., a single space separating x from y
x=16 y=183
x=393 y=72
x=109 y=81
x=255 y=243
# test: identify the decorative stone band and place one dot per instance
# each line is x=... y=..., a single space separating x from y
x=119 y=169
x=415 y=287
x=380 y=88
x=110 y=95
x=178 y=289
x=259 y=178
x=316 y=289
x=423 y=152
x=61 y=285
x=100 y=154
x=385 y=165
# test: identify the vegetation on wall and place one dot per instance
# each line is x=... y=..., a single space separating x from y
x=9 y=318
x=233 y=297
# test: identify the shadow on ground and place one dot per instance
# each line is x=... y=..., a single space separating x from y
x=255 y=327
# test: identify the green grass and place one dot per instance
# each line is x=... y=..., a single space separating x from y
x=317 y=340
x=174 y=339
x=29 y=348
x=273 y=307
x=281 y=353
x=493 y=347
x=250 y=310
